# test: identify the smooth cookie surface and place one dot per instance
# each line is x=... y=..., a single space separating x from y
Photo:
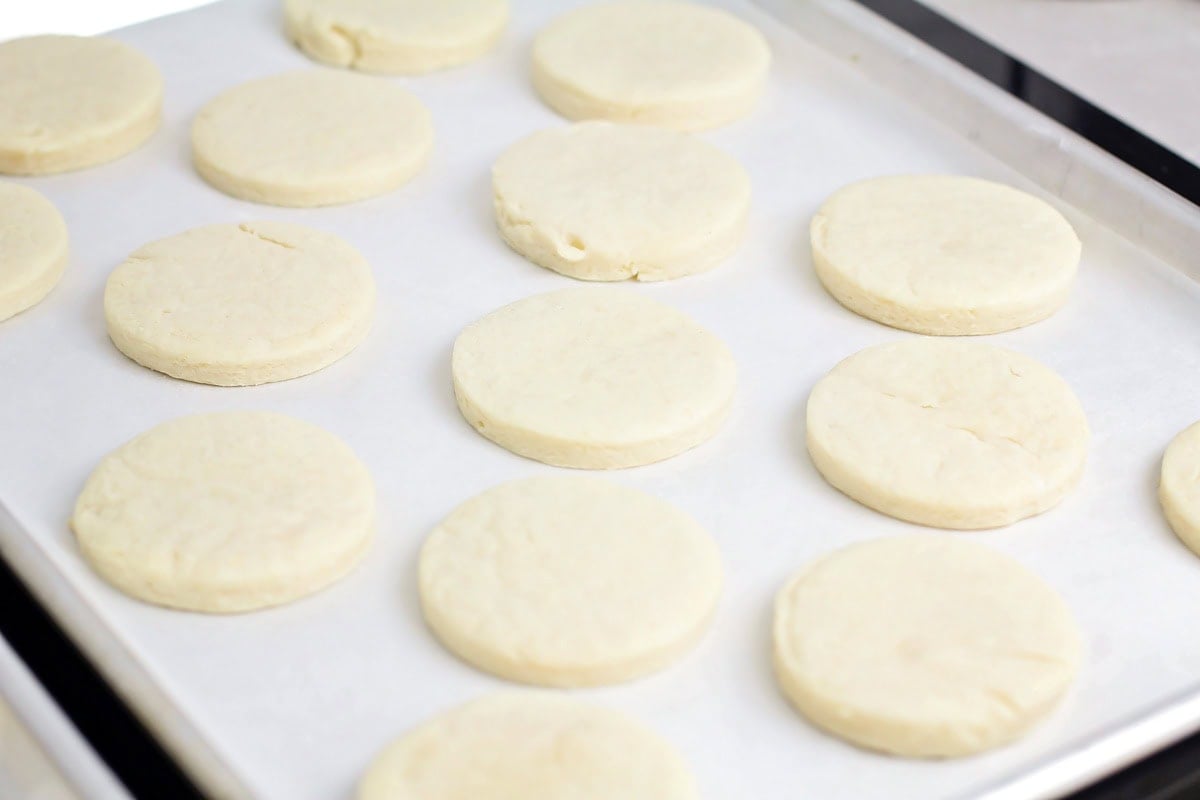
x=226 y=512
x=68 y=102
x=672 y=64
x=593 y=378
x=33 y=248
x=569 y=581
x=526 y=746
x=312 y=137
x=923 y=645
x=943 y=254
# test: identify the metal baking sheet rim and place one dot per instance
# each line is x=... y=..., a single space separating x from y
x=65 y=760
x=1083 y=175
x=110 y=656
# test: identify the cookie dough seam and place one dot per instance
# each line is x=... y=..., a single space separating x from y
x=245 y=228
x=351 y=39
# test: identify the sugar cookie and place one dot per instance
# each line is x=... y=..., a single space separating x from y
x=607 y=202
x=569 y=581
x=226 y=512
x=532 y=746
x=311 y=138
x=68 y=102
x=395 y=36
x=672 y=64
x=594 y=378
x=1179 y=486
x=239 y=305
x=923 y=645
x=944 y=255
x=33 y=248
x=947 y=432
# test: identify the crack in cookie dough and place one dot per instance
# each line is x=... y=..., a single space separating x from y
x=944 y=433
x=240 y=305
x=395 y=36
x=607 y=202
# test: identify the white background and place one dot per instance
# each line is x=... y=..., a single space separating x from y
x=83 y=17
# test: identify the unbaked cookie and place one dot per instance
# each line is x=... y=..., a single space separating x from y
x=226 y=512
x=395 y=36
x=529 y=746
x=594 y=378
x=923 y=645
x=311 y=138
x=1179 y=486
x=68 y=102
x=944 y=255
x=33 y=248
x=607 y=202
x=947 y=432
x=239 y=305
x=569 y=581
x=672 y=64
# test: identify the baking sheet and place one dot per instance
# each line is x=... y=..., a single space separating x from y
x=42 y=756
x=292 y=703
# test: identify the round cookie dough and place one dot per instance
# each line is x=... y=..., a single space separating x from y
x=923 y=645
x=395 y=36
x=531 y=746
x=592 y=378
x=608 y=202
x=944 y=255
x=947 y=432
x=240 y=305
x=311 y=138
x=33 y=248
x=569 y=581
x=68 y=102
x=1179 y=486
x=226 y=512
x=672 y=64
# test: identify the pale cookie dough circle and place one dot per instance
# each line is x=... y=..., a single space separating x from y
x=68 y=102
x=569 y=581
x=311 y=138
x=395 y=36
x=594 y=378
x=240 y=305
x=608 y=202
x=671 y=64
x=226 y=512
x=947 y=432
x=944 y=255
x=33 y=248
x=923 y=645
x=531 y=746
x=1179 y=486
